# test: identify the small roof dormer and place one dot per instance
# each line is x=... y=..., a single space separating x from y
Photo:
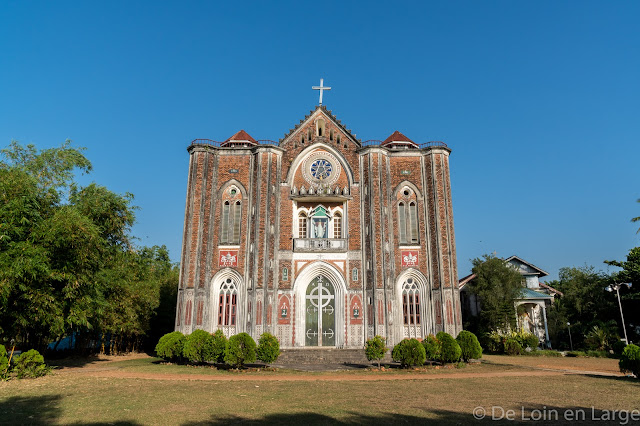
x=240 y=139
x=398 y=140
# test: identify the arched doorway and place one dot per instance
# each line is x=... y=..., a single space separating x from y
x=319 y=305
x=320 y=324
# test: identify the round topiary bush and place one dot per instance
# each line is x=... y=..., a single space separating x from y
x=30 y=364
x=630 y=360
x=469 y=345
x=432 y=348
x=240 y=349
x=268 y=348
x=170 y=346
x=198 y=347
x=450 y=350
x=375 y=349
x=512 y=347
x=219 y=342
x=618 y=347
x=4 y=362
x=409 y=352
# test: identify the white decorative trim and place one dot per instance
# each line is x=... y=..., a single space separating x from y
x=321 y=155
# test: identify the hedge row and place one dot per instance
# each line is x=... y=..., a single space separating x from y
x=441 y=348
x=28 y=364
x=200 y=346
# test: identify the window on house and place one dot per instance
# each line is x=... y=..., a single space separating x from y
x=354 y=274
x=230 y=222
x=285 y=274
x=337 y=225
x=413 y=222
x=227 y=303
x=410 y=303
x=402 y=223
x=302 y=225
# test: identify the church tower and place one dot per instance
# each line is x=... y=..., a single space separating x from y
x=319 y=239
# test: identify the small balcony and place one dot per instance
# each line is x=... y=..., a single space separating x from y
x=320 y=244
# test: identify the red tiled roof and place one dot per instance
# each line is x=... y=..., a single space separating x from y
x=397 y=137
x=548 y=287
x=241 y=136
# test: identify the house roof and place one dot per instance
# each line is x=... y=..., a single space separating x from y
x=541 y=273
x=241 y=136
x=548 y=287
x=528 y=294
x=463 y=281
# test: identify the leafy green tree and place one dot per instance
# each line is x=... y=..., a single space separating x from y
x=240 y=349
x=67 y=262
x=497 y=285
x=375 y=349
x=584 y=304
x=268 y=348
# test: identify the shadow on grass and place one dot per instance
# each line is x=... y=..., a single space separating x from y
x=439 y=417
x=40 y=410
x=480 y=415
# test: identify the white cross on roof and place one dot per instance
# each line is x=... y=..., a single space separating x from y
x=321 y=88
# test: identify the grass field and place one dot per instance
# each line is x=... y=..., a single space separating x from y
x=138 y=390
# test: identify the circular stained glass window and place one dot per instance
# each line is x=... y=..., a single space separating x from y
x=321 y=169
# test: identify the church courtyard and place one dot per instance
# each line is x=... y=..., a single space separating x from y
x=139 y=390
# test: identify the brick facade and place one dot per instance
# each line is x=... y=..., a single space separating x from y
x=371 y=226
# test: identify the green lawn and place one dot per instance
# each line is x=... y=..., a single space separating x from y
x=173 y=394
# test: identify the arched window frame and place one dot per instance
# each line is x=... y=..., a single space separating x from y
x=231 y=217
x=228 y=305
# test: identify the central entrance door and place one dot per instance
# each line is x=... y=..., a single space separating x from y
x=320 y=313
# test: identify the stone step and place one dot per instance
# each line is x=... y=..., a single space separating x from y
x=325 y=356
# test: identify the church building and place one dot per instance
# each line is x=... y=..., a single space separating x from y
x=320 y=239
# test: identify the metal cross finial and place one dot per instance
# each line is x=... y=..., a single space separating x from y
x=321 y=88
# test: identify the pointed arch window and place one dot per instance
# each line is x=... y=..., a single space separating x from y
x=337 y=225
x=230 y=223
x=408 y=223
x=302 y=225
x=411 y=309
x=227 y=306
x=402 y=223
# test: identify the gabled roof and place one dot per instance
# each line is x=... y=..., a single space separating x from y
x=541 y=273
x=330 y=116
x=241 y=136
x=398 y=138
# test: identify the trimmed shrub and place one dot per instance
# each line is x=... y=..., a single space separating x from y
x=450 y=349
x=575 y=354
x=512 y=347
x=240 y=349
x=630 y=360
x=219 y=346
x=375 y=349
x=544 y=352
x=30 y=364
x=268 y=348
x=409 y=352
x=618 y=347
x=432 y=347
x=4 y=362
x=198 y=347
x=469 y=345
x=170 y=346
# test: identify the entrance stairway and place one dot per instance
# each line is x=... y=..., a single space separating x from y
x=315 y=356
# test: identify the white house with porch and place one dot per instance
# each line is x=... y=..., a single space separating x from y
x=530 y=307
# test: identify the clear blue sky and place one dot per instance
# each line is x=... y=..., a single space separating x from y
x=539 y=101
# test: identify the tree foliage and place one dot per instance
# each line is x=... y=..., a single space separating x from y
x=67 y=263
x=374 y=349
x=497 y=285
x=240 y=349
